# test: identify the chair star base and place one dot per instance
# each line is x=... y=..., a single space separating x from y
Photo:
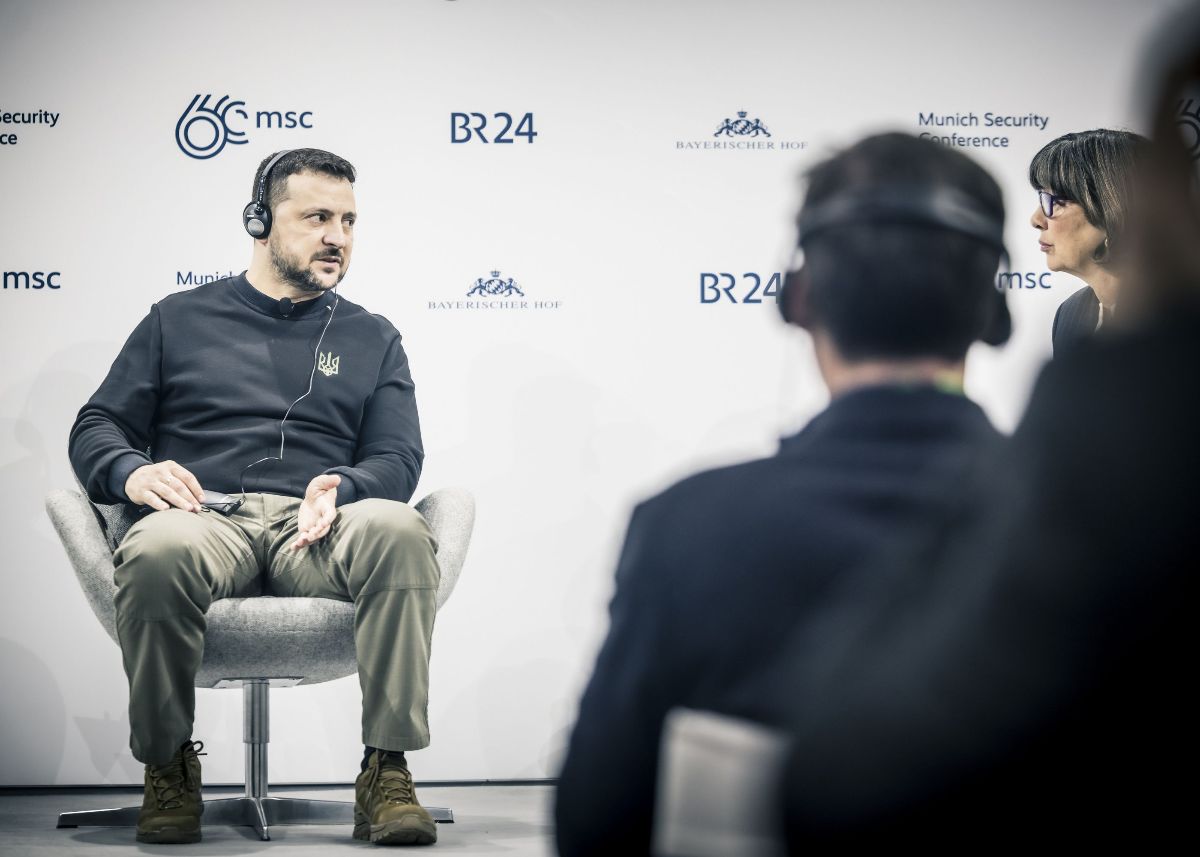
x=256 y=808
x=261 y=813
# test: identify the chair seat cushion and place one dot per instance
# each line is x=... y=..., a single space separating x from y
x=116 y=521
x=308 y=639
x=311 y=639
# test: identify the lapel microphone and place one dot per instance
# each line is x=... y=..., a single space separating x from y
x=285 y=307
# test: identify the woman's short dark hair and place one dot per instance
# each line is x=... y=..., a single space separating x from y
x=1094 y=169
x=299 y=161
x=901 y=290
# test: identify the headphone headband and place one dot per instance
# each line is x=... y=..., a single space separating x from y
x=938 y=206
x=931 y=205
x=262 y=180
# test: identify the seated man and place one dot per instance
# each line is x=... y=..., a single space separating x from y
x=218 y=390
x=902 y=239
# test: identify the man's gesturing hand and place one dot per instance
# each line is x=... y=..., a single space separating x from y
x=317 y=509
x=164 y=485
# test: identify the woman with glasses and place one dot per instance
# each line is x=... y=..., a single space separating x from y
x=1084 y=182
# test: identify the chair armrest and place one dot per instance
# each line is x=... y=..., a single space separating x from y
x=450 y=513
x=80 y=533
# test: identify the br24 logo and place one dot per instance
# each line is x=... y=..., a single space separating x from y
x=464 y=130
x=749 y=287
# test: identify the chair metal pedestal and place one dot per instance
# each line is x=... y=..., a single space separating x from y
x=257 y=808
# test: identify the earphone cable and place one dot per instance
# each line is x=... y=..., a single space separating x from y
x=311 y=378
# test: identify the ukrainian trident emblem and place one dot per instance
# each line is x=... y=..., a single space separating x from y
x=327 y=364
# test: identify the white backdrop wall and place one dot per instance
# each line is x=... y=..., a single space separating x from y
x=557 y=417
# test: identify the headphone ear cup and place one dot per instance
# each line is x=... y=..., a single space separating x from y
x=257 y=220
x=792 y=299
x=999 y=324
x=783 y=296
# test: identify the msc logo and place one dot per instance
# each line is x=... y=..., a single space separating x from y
x=1188 y=120
x=742 y=127
x=495 y=287
x=31 y=280
x=1018 y=280
x=462 y=130
x=327 y=364
x=204 y=129
x=711 y=289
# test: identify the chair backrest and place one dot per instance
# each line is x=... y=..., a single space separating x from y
x=718 y=781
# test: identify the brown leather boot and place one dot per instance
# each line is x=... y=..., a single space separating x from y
x=386 y=810
x=171 y=803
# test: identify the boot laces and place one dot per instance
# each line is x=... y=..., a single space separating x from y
x=172 y=781
x=393 y=782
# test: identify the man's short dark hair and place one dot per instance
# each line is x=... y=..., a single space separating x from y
x=900 y=290
x=1094 y=169
x=299 y=161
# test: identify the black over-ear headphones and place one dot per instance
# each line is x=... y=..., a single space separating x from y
x=256 y=216
x=932 y=205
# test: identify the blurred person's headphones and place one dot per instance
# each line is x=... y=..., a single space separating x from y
x=256 y=216
x=938 y=206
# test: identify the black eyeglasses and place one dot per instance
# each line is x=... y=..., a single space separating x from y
x=1049 y=200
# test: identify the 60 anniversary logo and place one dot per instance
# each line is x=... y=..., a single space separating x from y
x=203 y=130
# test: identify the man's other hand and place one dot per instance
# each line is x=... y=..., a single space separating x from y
x=317 y=509
x=164 y=485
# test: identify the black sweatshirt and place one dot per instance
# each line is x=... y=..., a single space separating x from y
x=206 y=377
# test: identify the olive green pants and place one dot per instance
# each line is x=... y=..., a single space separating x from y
x=378 y=554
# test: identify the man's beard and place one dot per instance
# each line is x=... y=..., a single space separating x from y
x=300 y=277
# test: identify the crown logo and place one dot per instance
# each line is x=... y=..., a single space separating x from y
x=741 y=114
x=496 y=286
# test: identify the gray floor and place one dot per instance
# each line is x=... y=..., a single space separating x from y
x=490 y=820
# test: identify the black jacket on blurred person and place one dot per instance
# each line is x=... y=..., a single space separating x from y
x=716 y=570
x=1075 y=320
x=901 y=239
x=1024 y=678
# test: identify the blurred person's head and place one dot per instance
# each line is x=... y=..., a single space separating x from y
x=889 y=296
x=1167 y=205
x=1084 y=182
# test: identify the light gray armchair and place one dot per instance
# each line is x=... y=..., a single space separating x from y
x=253 y=643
